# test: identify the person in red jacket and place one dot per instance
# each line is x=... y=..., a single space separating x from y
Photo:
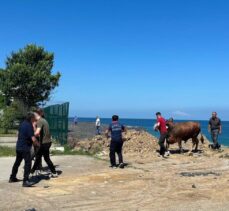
x=161 y=126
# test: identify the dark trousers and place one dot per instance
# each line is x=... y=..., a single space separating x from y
x=44 y=151
x=161 y=143
x=116 y=147
x=98 y=130
x=22 y=155
x=215 y=134
x=34 y=152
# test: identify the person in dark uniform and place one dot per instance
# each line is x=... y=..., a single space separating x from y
x=215 y=128
x=23 y=149
x=116 y=129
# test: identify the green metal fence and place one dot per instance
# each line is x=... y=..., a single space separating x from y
x=57 y=117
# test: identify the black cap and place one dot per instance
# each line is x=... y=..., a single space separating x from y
x=158 y=113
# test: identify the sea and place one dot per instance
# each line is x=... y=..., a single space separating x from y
x=147 y=124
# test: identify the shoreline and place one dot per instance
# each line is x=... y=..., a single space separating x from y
x=85 y=130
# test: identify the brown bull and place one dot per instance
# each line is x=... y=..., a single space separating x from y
x=178 y=132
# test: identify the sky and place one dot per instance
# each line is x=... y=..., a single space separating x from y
x=129 y=57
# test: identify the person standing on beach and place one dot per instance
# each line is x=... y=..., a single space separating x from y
x=98 y=125
x=44 y=135
x=25 y=140
x=75 y=120
x=161 y=126
x=116 y=129
x=215 y=128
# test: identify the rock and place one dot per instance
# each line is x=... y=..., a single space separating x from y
x=193 y=186
x=190 y=154
x=46 y=186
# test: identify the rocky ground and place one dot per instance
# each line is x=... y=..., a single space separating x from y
x=189 y=181
x=83 y=130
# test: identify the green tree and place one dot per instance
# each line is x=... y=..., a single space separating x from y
x=10 y=114
x=28 y=76
x=2 y=102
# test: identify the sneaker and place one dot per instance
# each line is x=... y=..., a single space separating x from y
x=12 y=180
x=54 y=175
x=113 y=166
x=167 y=154
x=27 y=184
x=121 y=165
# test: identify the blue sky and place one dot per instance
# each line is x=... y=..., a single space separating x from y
x=129 y=57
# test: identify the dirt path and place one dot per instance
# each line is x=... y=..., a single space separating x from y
x=178 y=183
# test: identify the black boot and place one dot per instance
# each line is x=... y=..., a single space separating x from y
x=12 y=180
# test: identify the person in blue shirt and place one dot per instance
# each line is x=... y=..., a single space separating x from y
x=23 y=149
x=116 y=129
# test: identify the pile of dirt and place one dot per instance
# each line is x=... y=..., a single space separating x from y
x=141 y=147
x=139 y=144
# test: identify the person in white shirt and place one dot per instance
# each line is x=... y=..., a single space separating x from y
x=97 y=125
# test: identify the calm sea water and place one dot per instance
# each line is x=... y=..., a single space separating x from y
x=148 y=125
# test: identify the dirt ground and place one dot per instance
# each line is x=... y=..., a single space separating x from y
x=180 y=182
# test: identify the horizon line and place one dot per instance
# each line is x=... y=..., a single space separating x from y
x=144 y=118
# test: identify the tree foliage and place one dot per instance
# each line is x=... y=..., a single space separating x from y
x=10 y=114
x=28 y=76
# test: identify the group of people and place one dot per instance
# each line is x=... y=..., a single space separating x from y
x=33 y=132
x=214 y=128
x=116 y=129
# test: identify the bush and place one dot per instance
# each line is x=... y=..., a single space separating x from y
x=10 y=115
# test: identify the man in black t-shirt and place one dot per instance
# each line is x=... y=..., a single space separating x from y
x=215 y=128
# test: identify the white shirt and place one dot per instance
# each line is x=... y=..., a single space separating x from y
x=97 y=122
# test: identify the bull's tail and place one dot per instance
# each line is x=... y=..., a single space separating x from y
x=202 y=138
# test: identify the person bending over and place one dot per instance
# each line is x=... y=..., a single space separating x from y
x=44 y=135
x=161 y=126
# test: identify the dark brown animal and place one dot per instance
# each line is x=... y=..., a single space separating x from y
x=178 y=132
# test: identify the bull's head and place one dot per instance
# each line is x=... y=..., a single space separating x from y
x=170 y=124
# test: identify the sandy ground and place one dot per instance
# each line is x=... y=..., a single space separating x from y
x=181 y=182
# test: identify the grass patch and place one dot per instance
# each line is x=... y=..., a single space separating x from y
x=11 y=152
x=7 y=151
x=69 y=151
x=11 y=133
